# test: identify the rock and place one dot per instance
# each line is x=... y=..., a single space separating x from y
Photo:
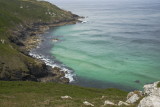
x=56 y=74
x=64 y=80
x=21 y=7
x=152 y=89
x=87 y=103
x=43 y=28
x=2 y=41
x=107 y=102
x=102 y=97
x=38 y=68
x=139 y=93
x=121 y=103
x=150 y=101
x=130 y=94
x=152 y=98
x=66 y=97
x=55 y=40
x=134 y=98
x=137 y=81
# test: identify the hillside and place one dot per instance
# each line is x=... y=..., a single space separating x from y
x=34 y=94
x=20 y=20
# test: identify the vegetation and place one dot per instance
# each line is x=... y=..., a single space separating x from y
x=158 y=84
x=17 y=11
x=34 y=94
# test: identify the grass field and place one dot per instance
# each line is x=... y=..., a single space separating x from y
x=34 y=94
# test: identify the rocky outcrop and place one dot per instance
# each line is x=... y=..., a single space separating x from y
x=55 y=75
x=152 y=96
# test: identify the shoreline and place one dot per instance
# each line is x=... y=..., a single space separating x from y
x=33 y=41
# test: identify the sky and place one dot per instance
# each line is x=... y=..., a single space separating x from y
x=90 y=1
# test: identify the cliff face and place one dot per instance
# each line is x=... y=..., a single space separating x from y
x=20 y=20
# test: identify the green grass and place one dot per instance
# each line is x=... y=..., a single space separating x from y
x=27 y=11
x=33 y=94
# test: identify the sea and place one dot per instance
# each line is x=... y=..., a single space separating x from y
x=117 y=44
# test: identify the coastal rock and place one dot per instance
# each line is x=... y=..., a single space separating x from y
x=55 y=40
x=54 y=75
x=150 y=101
x=107 y=102
x=121 y=103
x=43 y=28
x=38 y=69
x=133 y=99
x=87 y=103
x=137 y=81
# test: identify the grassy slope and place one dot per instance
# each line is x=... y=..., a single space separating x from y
x=33 y=94
x=16 y=12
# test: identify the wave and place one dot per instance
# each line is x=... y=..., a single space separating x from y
x=53 y=63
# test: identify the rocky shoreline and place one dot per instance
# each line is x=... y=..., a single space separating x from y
x=28 y=37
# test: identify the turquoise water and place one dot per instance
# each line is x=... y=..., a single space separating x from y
x=118 y=47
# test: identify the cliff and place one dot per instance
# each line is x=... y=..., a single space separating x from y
x=20 y=20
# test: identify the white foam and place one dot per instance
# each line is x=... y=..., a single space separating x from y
x=68 y=73
x=84 y=21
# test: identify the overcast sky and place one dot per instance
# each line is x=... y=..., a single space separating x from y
x=116 y=1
